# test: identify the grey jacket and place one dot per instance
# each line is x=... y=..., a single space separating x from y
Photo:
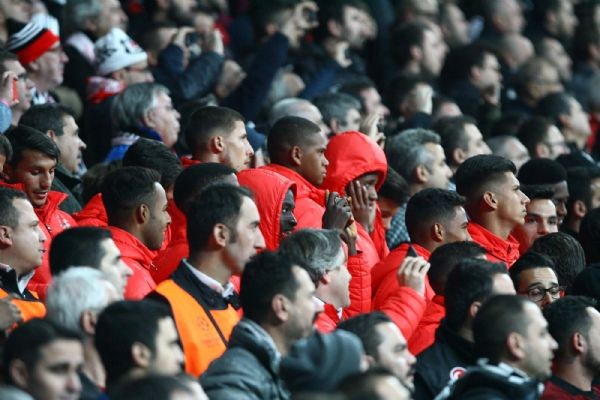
x=248 y=370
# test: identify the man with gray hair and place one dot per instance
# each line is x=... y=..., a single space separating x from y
x=418 y=156
x=294 y=107
x=75 y=299
x=320 y=252
x=341 y=112
x=143 y=110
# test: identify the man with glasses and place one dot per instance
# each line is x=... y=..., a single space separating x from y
x=534 y=277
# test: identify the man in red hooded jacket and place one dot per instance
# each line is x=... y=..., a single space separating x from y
x=433 y=217
x=358 y=168
x=31 y=170
x=274 y=196
x=495 y=204
x=136 y=206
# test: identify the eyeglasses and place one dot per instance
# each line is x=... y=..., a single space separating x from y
x=538 y=293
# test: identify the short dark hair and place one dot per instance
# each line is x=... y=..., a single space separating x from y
x=533 y=132
x=565 y=251
x=126 y=188
x=394 y=187
x=289 y=132
x=6 y=148
x=474 y=176
x=47 y=117
x=24 y=138
x=334 y=10
x=122 y=324
x=152 y=387
x=210 y=121
x=453 y=134
x=460 y=62
x=365 y=385
x=553 y=105
x=589 y=235
x=9 y=215
x=196 y=178
x=537 y=192
x=444 y=259
x=529 y=260
x=78 y=246
x=364 y=326
x=471 y=280
x=27 y=340
x=218 y=203
x=265 y=276
x=154 y=154
x=541 y=171
x=579 y=181
x=428 y=206
x=565 y=317
x=403 y=38
x=497 y=318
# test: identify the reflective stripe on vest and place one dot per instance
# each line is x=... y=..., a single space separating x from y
x=202 y=342
x=30 y=309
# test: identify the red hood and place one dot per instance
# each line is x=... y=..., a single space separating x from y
x=304 y=189
x=269 y=190
x=93 y=210
x=352 y=154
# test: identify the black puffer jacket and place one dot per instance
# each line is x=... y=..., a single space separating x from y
x=493 y=382
x=248 y=370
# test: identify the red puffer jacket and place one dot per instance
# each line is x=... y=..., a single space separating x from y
x=52 y=221
x=424 y=335
x=498 y=249
x=402 y=304
x=137 y=257
x=93 y=213
x=269 y=190
x=310 y=201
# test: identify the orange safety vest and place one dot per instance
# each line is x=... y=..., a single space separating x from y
x=30 y=309
x=204 y=333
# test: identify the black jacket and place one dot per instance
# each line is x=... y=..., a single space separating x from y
x=447 y=359
x=248 y=370
x=66 y=182
x=493 y=382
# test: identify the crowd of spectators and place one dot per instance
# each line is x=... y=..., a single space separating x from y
x=299 y=199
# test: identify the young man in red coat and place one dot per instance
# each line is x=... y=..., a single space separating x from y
x=433 y=217
x=495 y=204
x=31 y=170
x=136 y=206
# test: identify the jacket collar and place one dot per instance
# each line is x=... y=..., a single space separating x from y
x=504 y=250
x=252 y=337
x=132 y=247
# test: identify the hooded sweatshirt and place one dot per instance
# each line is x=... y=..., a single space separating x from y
x=351 y=155
x=269 y=190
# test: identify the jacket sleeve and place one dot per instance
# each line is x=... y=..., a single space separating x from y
x=322 y=80
x=249 y=97
x=359 y=288
x=402 y=304
x=194 y=81
x=233 y=377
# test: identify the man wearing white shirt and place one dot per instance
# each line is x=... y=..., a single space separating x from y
x=223 y=233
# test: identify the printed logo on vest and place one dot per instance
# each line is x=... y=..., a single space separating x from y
x=456 y=373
